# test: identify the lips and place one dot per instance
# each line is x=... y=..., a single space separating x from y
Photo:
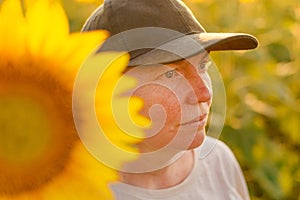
x=198 y=121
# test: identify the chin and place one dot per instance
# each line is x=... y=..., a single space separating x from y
x=198 y=140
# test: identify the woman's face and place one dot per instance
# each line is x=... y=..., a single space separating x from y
x=177 y=97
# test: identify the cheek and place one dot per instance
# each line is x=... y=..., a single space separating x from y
x=161 y=104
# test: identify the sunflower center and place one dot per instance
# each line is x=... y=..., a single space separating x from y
x=37 y=133
x=25 y=129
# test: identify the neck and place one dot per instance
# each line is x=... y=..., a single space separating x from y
x=168 y=176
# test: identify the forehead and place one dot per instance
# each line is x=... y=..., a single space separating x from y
x=191 y=61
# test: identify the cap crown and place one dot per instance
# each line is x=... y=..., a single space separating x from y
x=117 y=16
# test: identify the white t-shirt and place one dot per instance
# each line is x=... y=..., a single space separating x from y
x=216 y=175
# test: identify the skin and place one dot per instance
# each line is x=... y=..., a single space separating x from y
x=177 y=97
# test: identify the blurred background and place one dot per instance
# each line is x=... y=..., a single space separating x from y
x=262 y=86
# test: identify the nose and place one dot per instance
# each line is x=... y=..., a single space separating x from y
x=199 y=91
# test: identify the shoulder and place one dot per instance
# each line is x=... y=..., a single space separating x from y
x=219 y=167
x=214 y=150
x=215 y=147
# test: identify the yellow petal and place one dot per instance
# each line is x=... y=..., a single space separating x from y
x=91 y=171
x=12 y=30
x=48 y=27
x=107 y=68
x=79 y=45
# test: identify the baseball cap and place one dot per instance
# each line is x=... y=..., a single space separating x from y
x=143 y=27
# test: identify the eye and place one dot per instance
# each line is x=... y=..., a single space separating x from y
x=170 y=74
x=204 y=65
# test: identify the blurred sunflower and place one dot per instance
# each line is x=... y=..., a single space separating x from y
x=98 y=2
x=41 y=156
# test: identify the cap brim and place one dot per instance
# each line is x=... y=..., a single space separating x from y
x=190 y=45
x=226 y=41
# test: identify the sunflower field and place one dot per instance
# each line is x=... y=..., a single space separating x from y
x=263 y=91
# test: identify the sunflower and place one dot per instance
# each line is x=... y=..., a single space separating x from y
x=98 y=2
x=41 y=155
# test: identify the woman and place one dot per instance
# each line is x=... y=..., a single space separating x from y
x=169 y=52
